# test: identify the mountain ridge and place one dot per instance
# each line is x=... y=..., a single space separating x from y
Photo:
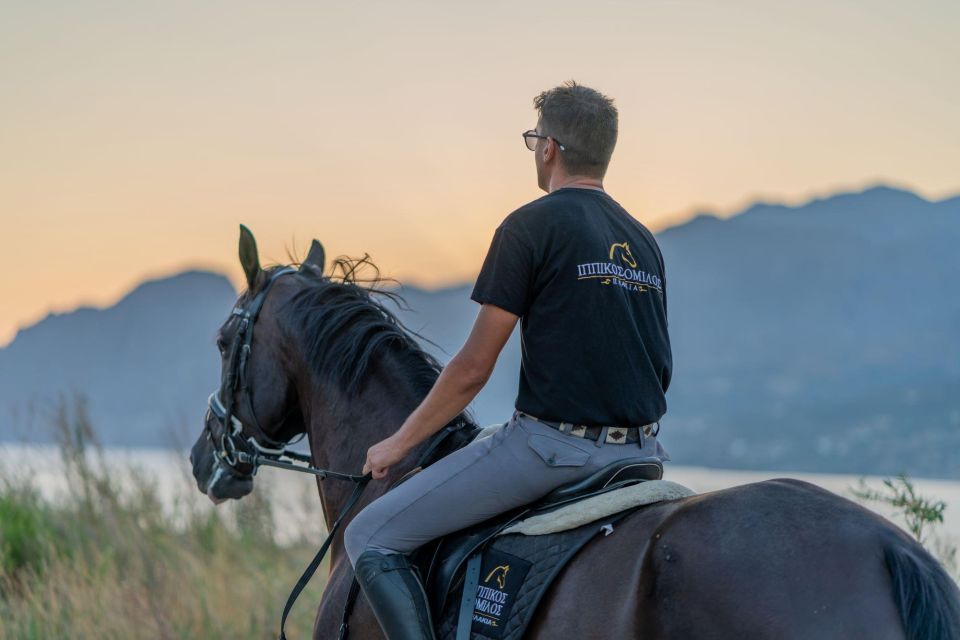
x=806 y=337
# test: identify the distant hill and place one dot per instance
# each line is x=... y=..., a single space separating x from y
x=146 y=364
x=822 y=337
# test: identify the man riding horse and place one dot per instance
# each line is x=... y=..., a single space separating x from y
x=586 y=280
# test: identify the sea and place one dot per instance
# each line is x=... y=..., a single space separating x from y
x=296 y=504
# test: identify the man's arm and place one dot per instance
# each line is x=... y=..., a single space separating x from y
x=459 y=383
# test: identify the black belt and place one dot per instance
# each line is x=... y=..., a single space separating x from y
x=607 y=435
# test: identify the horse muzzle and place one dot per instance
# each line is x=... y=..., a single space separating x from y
x=217 y=480
x=224 y=484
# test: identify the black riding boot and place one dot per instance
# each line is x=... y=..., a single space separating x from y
x=395 y=595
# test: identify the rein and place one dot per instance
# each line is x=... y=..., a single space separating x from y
x=322 y=552
x=257 y=455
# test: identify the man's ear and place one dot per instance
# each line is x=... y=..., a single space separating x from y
x=550 y=150
x=249 y=259
x=315 y=258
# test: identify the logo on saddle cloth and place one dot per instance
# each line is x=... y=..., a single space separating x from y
x=620 y=270
x=502 y=575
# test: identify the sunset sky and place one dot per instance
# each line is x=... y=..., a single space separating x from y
x=135 y=136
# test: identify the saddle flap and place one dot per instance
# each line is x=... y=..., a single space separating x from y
x=453 y=550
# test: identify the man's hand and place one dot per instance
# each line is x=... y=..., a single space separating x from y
x=382 y=456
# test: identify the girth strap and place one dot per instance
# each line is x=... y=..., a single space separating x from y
x=468 y=601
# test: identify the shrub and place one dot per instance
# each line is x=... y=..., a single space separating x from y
x=919 y=514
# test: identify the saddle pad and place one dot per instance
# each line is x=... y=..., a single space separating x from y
x=582 y=512
x=516 y=571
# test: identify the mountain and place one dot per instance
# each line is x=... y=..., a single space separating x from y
x=823 y=337
x=820 y=337
x=146 y=364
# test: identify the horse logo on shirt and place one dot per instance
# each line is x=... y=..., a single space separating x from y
x=625 y=254
x=621 y=270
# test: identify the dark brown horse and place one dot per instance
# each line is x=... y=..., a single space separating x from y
x=779 y=559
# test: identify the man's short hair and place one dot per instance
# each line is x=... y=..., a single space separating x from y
x=585 y=121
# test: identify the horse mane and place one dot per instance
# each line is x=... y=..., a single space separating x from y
x=344 y=325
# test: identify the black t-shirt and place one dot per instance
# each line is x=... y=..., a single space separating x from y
x=587 y=280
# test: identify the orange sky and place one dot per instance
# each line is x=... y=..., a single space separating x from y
x=135 y=136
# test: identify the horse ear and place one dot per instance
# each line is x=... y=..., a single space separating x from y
x=249 y=259
x=315 y=258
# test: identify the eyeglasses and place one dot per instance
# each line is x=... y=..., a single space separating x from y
x=530 y=139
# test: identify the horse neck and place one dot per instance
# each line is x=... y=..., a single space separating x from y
x=340 y=429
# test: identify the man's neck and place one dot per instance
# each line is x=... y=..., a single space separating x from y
x=576 y=182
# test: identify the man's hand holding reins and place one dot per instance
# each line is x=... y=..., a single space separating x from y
x=383 y=455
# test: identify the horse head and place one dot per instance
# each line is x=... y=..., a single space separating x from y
x=237 y=419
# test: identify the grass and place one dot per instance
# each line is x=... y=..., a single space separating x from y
x=107 y=560
x=919 y=514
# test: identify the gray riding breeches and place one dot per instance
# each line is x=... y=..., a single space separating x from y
x=518 y=464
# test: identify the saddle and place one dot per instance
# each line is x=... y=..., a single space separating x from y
x=518 y=568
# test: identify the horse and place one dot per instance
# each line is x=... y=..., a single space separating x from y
x=780 y=559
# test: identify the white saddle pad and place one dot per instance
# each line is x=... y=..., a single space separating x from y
x=600 y=506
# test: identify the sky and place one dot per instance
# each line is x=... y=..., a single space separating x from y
x=135 y=136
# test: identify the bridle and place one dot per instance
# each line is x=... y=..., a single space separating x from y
x=242 y=455
x=230 y=442
x=235 y=452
